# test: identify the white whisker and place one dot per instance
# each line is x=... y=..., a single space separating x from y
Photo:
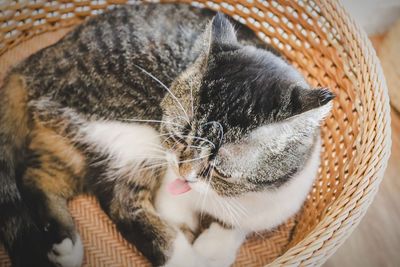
x=180 y=117
x=155 y=121
x=153 y=166
x=221 y=130
x=199 y=138
x=191 y=100
x=208 y=179
x=190 y=160
x=166 y=88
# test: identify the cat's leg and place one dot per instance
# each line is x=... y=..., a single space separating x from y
x=219 y=245
x=53 y=175
x=62 y=243
x=47 y=197
x=132 y=210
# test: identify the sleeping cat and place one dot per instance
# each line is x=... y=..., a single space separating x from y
x=189 y=137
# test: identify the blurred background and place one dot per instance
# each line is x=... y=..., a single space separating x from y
x=376 y=241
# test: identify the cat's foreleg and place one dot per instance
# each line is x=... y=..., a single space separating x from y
x=219 y=245
x=163 y=244
x=46 y=188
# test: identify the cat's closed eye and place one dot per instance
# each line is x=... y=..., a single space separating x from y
x=220 y=174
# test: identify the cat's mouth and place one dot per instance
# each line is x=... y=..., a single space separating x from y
x=183 y=184
x=189 y=181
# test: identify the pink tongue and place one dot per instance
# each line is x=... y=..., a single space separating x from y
x=178 y=186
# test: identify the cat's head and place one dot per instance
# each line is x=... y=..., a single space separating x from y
x=240 y=119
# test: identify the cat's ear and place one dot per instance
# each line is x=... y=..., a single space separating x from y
x=316 y=102
x=220 y=34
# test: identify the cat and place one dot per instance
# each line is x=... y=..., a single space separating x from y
x=191 y=136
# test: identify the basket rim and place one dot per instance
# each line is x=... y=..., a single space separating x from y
x=335 y=227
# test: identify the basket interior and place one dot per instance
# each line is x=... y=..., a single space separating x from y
x=298 y=30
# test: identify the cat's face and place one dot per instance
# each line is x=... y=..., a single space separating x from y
x=241 y=119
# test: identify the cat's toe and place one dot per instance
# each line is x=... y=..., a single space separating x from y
x=67 y=253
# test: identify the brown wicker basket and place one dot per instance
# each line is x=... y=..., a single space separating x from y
x=320 y=39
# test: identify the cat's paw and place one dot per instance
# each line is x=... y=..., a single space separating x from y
x=67 y=253
x=183 y=254
x=219 y=245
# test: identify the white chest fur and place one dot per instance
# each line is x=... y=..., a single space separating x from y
x=125 y=145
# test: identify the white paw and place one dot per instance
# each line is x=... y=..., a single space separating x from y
x=183 y=254
x=219 y=245
x=67 y=253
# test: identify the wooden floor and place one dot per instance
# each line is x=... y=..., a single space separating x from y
x=376 y=241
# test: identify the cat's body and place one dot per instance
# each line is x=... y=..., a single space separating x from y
x=97 y=112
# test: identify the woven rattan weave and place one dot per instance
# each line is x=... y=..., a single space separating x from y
x=320 y=39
